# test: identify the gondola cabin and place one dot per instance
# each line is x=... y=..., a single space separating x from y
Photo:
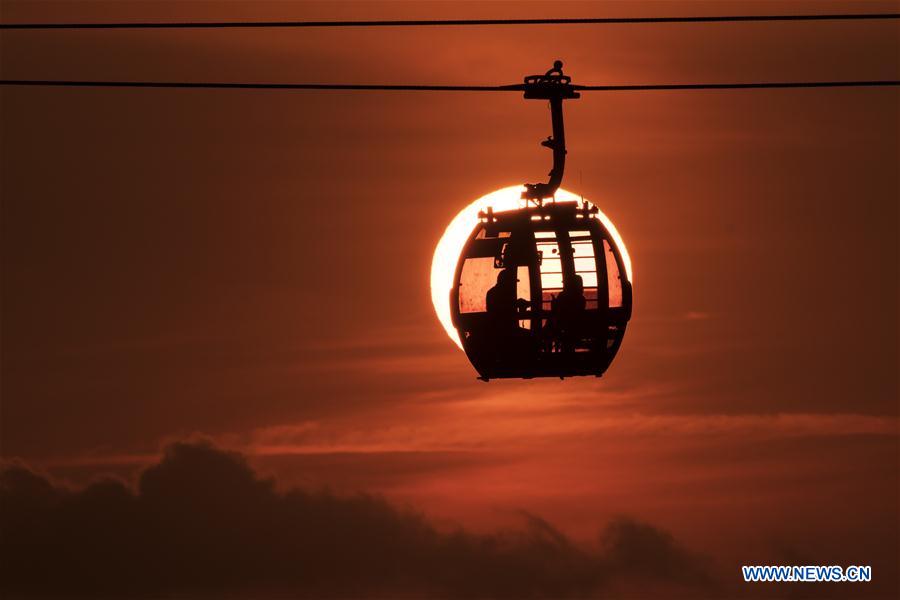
x=541 y=292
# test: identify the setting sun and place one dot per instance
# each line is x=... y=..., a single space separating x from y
x=448 y=249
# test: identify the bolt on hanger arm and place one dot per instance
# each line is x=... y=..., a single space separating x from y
x=555 y=87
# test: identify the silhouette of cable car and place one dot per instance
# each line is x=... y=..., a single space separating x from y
x=542 y=291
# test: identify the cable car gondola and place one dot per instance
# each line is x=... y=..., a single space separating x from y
x=542 y=291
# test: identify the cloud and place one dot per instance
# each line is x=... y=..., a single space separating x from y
x=636 y=548
x=201 y=522
x=504 y=420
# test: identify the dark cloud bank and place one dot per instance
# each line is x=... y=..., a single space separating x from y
x=202 y=523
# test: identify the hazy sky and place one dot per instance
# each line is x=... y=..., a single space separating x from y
x=253 y=266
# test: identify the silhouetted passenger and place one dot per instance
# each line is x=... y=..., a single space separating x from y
x=502 y=304
x=509 y=343
x=567 y=313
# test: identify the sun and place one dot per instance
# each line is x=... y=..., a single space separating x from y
x=446 y=254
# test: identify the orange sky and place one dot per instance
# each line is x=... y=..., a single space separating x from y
x=253 y=266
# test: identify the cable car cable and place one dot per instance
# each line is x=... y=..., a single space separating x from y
x=738 y=86
x=265 y=86
x=455 y=22
x=443 y=88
